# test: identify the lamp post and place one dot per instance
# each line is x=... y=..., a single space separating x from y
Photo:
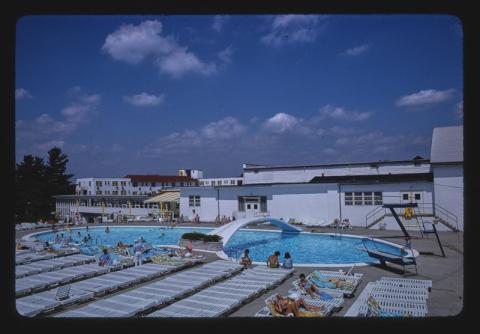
x=218 y=202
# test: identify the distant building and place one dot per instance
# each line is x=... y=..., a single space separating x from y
x=192 y=173
x=219 y=181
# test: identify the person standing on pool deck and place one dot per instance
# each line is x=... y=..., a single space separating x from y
x=272 y=261
x=138 y=252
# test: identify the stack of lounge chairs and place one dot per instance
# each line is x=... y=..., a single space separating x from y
x=392 y=297
x=224 y=297
x=90 y=288
x=139 y=300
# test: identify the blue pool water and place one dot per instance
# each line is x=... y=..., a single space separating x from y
x=306 y=248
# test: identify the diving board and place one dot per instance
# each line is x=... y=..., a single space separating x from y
x=226 y=231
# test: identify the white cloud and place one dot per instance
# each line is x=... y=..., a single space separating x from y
x=21 y=93
x=282 y=123
x=216 y=136
x=459 y=110
x=45 y=130
x=135 y=43
x=181 y=61
x=226 y=55
x=226 y=128
x=144 y=100
x=330 y=111
x=219 y=21
x=425 y=98
x=290 y=29
x=357 y=50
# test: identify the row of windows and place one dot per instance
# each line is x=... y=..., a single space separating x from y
x=220 y=182
x=193 y=201
x=363 y=198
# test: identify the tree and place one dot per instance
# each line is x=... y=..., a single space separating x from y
x=30 y=188
x=57 y=182
x=37 y=183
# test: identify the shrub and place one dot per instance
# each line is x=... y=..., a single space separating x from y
x=201 y=236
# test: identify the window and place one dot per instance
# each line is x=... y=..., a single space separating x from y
x=357 y=198
x=114 y=183
x=367 y=197
x=114 y=192
x=194 y=201
x=232 y=182
x=225 y=181
x=405 y=197
x=98 y=183
x=348 y=198
x=255 y=206
x=377 y=196
x=417 y=197
x=248 y=206
x=98 y=193
x=201 y=183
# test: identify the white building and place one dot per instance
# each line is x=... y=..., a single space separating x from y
x=103 y=186
x=225 y=181
x=318 y=194
x=193 y=173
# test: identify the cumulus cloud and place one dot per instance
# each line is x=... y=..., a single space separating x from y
x=281 y=123
x=226 y=128
x=135 y=43
x=216 y=135
x=425 y=98
x=330 y=111
x=226 y=55
x=21 y=93
x=181 y=61
x=459 y=110
x=219 y=21
x=145 y=100
x=291 y=29
x=45 y=131
x=357 y=50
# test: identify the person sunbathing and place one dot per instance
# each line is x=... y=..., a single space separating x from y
x=312 y=289
x=286 y=306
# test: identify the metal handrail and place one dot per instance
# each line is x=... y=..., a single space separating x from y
x=436 y=210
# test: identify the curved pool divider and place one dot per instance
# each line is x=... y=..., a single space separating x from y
x=223 y=256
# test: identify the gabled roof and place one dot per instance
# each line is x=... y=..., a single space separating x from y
x=447 y=145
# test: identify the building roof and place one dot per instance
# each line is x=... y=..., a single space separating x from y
x=167 y=196
x=160 y=178
x=416 y=160
x=447 y=145
x=373 y=178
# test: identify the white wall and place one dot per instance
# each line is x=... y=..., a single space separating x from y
x=448 y=185
x=307 y=173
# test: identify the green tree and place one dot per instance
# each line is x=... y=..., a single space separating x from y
x=57 y=182
x=30 y=187
x=37 y=183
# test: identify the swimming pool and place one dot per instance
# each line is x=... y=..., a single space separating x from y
x=305 y=248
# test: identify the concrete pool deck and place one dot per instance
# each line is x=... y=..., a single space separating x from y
x=446 y=297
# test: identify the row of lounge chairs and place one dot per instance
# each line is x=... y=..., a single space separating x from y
x=28 y=256
x=139 y=300
x=224 y=297
x=90 y=288
x=392 y=297
x=324 y=281
x=37 y=267
x=30 y=226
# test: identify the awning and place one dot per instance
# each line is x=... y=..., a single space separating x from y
x=169 y=196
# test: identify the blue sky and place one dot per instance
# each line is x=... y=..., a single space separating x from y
x=154 y=94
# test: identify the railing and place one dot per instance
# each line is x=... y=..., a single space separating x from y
x=423 y=209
